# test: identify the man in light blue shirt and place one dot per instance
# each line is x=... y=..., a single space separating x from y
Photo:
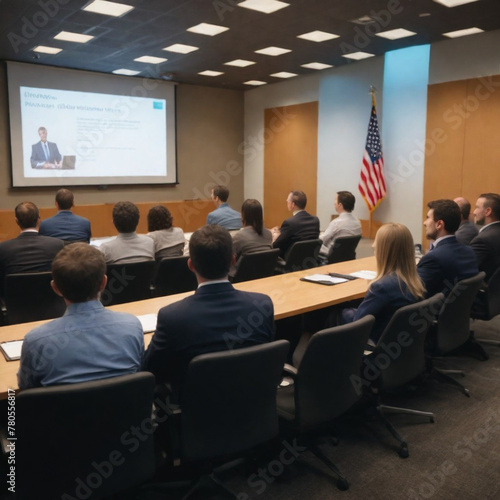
x=223 y=215
x=89 y=342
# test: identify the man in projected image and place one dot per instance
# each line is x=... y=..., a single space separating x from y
x=45 y=154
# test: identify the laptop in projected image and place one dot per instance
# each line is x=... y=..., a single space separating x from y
x=68 y=162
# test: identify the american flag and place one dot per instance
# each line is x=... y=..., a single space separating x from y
x=372 y=183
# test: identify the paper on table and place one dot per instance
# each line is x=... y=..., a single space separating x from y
x=325 y=278
x=365 y=275
x=148 y=322
x=12 y=350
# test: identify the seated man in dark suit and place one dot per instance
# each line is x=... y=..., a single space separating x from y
x=65 y=225
x=301 y=226
x=448 y=261
x=216 y=318
x=89 y=342
x=30 y=251
x=486 y=244
x=45 y=154
x=467 y=230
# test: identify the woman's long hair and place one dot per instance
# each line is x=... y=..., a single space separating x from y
x=251 y=215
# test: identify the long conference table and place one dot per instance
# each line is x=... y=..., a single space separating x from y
x=289 y=294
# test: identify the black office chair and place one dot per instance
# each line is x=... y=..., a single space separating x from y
x=253 y=266
x=399 y=359
x=227 y=406
x=487 y=304
x=343 y=249
x=302 y=255
x=78 y=441
x=451 y=330
x=128 y=282
x=323 y=387
x=173 y=276
x=29 y=297
x=174 y=251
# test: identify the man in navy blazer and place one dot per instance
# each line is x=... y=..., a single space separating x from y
x=448 y=261
x=45 y=154
x=65 y=225
x=30 y=251
x=301 y=226
x=486 y=244
x=216 y=318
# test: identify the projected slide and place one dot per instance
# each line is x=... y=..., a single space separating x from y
x=86 y=134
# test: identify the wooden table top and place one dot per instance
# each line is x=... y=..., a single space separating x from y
x=290 y=297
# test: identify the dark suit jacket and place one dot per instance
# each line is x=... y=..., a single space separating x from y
x=447 y=263
x=29 y=252
x=67 y=226
x=216 y=318
x=486 y=246
x=466 y=232
x=38 y=154
x=302 y=226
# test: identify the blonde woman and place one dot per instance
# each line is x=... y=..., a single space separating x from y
x=397 y=283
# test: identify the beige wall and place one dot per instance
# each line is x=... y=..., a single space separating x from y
x=209 y=134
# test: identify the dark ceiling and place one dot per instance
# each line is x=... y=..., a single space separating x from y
x=155 y=24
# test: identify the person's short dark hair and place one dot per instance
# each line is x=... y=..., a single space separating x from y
x=125 y=216
x=159 y=217
x=65 y=199
x=78 y=270
x=251 y=215
x=448 y=212
x=42 y=128
x=347 y=199
x=211 y=251
x=299 y=198
x=492 y=200
x=222 y=192
x=27 y=215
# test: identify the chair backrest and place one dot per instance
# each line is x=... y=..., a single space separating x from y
x=253 y=266
x=343 y=248
x=128 y=282
x=325 y=386
x=229 y=400
x=79 y=440
x=302 y=255
x=29 y=297
x=493 y=294
x=453 y=322
x=173 y=251
x=173 y=276
x=399 y=356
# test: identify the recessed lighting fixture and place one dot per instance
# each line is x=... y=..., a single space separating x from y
x=424 y=14
x=46 y=50
x=272 y=51
x=108 y=8
x=454 y=3
x=284 y=74
x=395 y=34
x=458 y=33
x=127 y=72
x=180 y=48
x=211 y=73
x=68 y=36
x=363 y=20
x=241 y=63
x=316 y=65
x=357 y=56
x=318 y=36
x=151 y=59
x=255 y=83
x=207 y=29
x=266 y=6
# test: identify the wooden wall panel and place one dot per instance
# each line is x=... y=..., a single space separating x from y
x=290 y=158
x=188 y=214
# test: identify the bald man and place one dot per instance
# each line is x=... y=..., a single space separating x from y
x=467 y=230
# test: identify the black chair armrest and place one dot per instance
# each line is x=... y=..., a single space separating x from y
x=290 y=370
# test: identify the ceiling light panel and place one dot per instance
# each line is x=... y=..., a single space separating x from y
x=151 y=59
x=318 y=36
x=454 y=3
x=357 y=56
x=124 y=71
x=180 y=48
x=68 y=36
x=207 y=29
x=272 y=51
x=210 y=73
x=316 y=65
x=241 y=63
x=284 y=74
x=465 y=32
x=255 y=83
x=395 y=34
x=108 y=8
x=42 y=49
x=265 y=6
